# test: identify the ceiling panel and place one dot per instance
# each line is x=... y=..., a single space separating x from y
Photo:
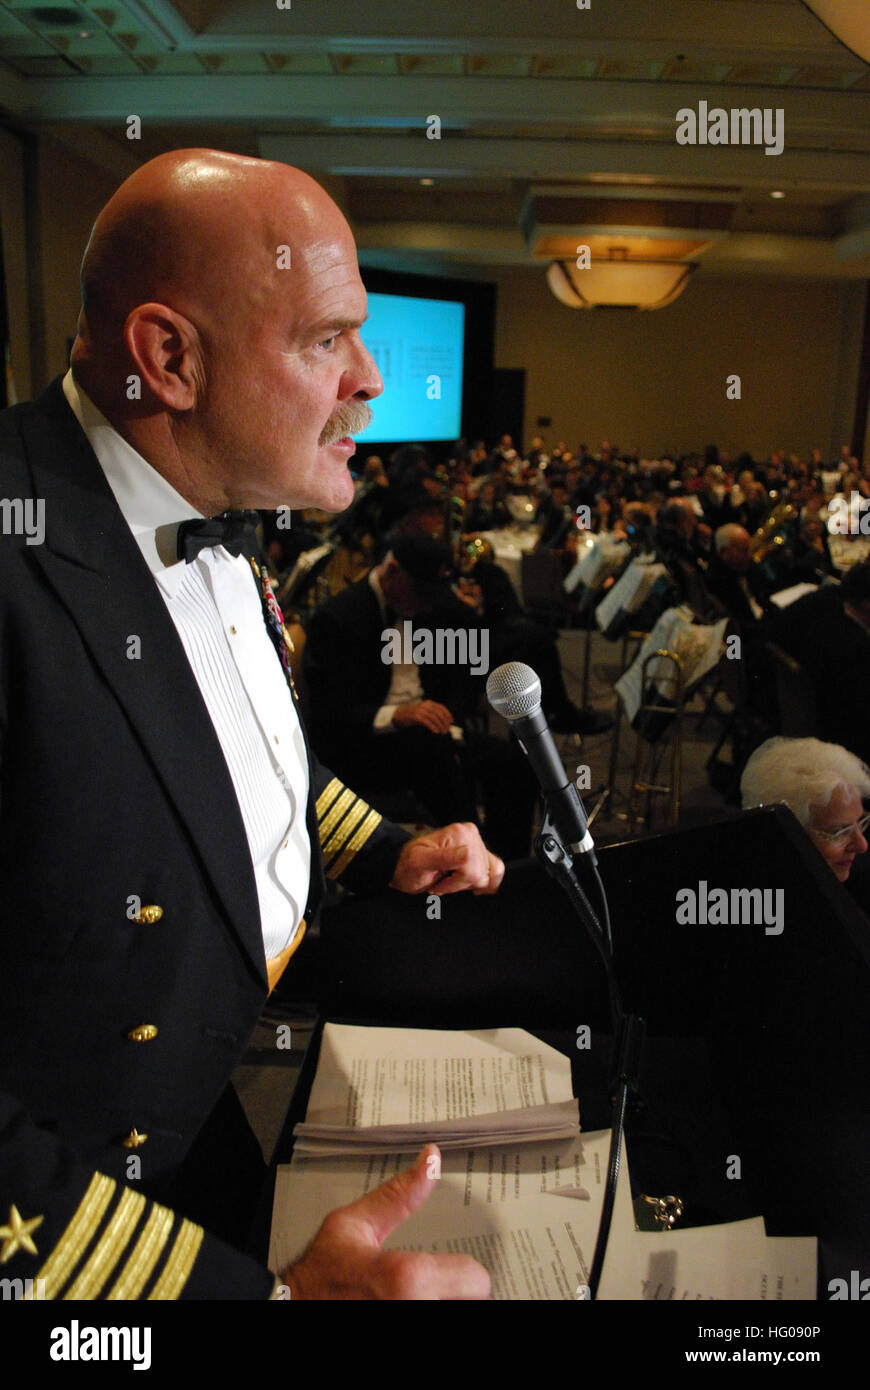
x=525 y=91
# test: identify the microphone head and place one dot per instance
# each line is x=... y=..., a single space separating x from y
x=514 y=690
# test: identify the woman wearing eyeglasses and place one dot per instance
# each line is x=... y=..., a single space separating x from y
x=823 y=784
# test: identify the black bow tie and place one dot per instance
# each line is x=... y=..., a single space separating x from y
x=235 y=531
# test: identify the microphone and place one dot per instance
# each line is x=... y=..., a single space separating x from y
x=514 y=692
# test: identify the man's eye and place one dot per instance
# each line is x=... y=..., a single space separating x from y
x=326 y=343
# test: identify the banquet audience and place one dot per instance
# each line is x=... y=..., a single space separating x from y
x=402 y=720
x=731 y=532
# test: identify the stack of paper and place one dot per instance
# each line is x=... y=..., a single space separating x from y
x=496 y=1087
x=529 y=1211
x=698 y=645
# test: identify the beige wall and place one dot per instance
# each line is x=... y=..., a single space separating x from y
x=656 y=380
x=71 y=192
x=13 y=226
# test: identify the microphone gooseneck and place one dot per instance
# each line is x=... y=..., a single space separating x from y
x=514 y=691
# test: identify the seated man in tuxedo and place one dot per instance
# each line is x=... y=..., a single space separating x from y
x=734 y=580
x=165 y=830
x=680 y=543
x=557 y=517
x=386 y=724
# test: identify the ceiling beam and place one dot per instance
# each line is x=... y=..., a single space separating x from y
x=499 y=245
x=165 y=25
x=465 y=158
x=457 y=44
x=738 y=254
x=401 y=101
x=788 y=32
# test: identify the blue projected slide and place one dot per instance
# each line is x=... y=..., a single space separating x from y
x=418 y=347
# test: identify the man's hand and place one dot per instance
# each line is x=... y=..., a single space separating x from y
x=428 y=713
x=345 y=1259
x=448 y=861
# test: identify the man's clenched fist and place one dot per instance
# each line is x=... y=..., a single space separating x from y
x=447 y=861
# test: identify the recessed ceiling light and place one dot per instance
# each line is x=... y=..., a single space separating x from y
x=427 y=183
x=777 y=193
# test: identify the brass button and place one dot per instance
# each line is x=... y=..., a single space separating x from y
x=148 y=914
x=134 y=1140
x=144 y=1033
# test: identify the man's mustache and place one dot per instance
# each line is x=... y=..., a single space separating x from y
x=351 y=418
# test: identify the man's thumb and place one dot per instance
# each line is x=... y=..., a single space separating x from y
x=392 y=1203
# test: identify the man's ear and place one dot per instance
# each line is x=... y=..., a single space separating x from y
x=166 y=353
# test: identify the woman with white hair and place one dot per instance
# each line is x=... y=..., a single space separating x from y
x=823 y=784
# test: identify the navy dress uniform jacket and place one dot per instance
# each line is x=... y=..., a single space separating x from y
x=120 y=1025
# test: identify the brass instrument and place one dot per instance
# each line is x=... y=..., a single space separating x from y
x=770 y=539
x=473 y=547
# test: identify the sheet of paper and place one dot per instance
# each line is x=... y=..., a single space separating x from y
x=698 y=646
x=382 y=1076
x=785 y=597
x=529 y=1214
x=735 y=1260
x=629 y=591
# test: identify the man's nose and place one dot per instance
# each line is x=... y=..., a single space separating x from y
x=857 y=842
x=365 y=379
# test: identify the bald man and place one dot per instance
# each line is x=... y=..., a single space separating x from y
x=163 y=825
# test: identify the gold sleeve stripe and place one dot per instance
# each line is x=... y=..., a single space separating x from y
x=340 y=837
x=328 y=795
x=144 y=1255
x=176 y=1271
x=109 y=1249
x=329 y=822
x=366 y=830
x=77 y=1236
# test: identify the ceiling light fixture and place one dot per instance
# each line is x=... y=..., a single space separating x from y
x=619 y=283
x=777 y=193
x=848 y=21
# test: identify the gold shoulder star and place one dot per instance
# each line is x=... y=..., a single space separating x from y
x=16 y=1236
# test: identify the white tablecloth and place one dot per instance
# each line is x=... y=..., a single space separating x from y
x=848 y=551
x=509 y=545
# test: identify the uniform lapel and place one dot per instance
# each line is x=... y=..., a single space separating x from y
x=99 y=575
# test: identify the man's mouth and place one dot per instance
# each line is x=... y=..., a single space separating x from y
x=349 y=419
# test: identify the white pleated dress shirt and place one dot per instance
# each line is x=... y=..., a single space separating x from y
x=215 y=606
